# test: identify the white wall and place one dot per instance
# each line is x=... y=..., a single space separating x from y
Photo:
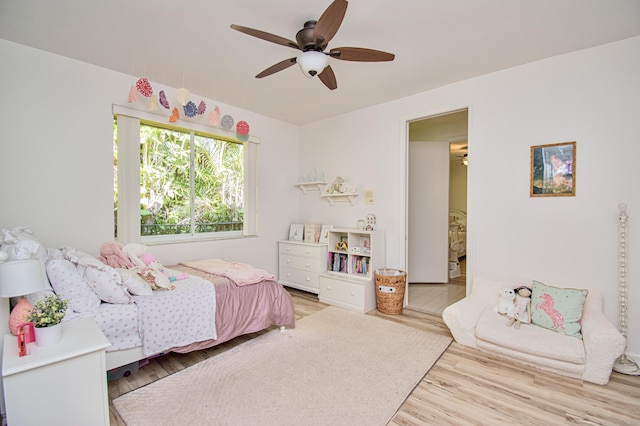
x=55 y=153
x=589 y=96
x=56 y=159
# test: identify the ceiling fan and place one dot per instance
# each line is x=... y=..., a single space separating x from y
x=312 y=40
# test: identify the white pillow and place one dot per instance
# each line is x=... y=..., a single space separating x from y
x=136 y=285
x=69 y=285
x=104 y=280
x=106 y=284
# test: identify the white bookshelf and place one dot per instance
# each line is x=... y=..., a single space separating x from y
x=349 y=279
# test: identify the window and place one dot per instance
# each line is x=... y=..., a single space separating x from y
x=178 y=184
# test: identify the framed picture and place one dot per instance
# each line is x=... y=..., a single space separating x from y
x=296 y=232
x=553 y=170
x=324 y=233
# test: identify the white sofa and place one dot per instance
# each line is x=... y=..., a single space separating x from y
x=473 y=322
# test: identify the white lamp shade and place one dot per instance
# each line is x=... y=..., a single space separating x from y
x=312 y=62
x=22 y=277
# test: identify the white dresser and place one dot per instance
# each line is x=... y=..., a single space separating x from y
x=301 y=264
x=62 y=384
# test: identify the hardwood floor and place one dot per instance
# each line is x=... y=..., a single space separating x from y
x=464 y=387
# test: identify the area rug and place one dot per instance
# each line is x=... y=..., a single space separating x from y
x=336 y=367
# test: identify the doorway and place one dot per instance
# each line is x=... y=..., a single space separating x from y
x=432 y=292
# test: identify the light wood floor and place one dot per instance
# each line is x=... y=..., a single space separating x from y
x=464 y=387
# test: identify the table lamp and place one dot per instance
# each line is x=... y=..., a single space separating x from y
x=19 y=278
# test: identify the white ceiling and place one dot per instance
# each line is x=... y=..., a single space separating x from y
x=189 y=44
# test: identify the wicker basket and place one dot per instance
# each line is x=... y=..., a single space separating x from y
x=390 y=285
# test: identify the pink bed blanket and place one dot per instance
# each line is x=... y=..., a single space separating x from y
x=240 y=273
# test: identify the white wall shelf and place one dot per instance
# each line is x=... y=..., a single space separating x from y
x=311 y=186
x=340 y=198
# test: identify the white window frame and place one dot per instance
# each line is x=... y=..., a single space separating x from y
x=129 y=180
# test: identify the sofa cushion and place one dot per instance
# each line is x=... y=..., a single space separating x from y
x=529 y=339
x=558 y=309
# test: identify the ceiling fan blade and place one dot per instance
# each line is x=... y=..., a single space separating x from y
x=328 y=24
x=282 y=65
x=360 y=54
x=266 y=36
x=328 y=78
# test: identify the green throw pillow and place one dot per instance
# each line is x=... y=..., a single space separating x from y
x=558 y=309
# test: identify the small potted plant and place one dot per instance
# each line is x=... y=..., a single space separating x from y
x=46 y=316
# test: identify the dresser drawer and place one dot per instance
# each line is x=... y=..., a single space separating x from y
x=304 y=263
x=302 y=250
x=297 y=276
x=342 y=291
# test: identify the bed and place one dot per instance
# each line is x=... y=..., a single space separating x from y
x=209 y=302
x=239 y=310
x=457 y=235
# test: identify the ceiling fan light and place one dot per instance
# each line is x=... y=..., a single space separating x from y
x=312 y=62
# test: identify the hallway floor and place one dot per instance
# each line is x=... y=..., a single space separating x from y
x=433 y=298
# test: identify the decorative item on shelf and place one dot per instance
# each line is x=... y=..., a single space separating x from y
x=361 y=224
x=623 y=364
x=371 y=221
x=324 y=233
x=313 y=181
x=20 y=278
x=310 y=232
x=46 y=318
x=341 y=245
x=296 y=232
x=336 y=186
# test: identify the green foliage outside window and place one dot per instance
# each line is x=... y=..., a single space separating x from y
x=167 y=198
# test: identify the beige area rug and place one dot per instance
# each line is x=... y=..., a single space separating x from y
x=336 y=367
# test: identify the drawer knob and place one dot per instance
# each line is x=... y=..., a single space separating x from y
x=308 y=279
x=288 y=274
x=288 y=260
x=307 y=265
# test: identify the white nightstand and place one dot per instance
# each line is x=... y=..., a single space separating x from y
x=63 y=384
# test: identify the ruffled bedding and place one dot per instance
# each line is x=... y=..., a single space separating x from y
x=203 y=310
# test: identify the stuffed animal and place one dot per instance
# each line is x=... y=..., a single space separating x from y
x=505 y=302
x=112 y=254
x=522 y=307
x=151 y=262
x=20 y=243
x=134 y=252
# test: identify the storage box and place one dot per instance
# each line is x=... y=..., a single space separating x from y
x=123 y=371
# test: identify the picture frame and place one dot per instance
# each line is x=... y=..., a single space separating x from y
x=324 y=233
x=553 y=170
x=296 y=232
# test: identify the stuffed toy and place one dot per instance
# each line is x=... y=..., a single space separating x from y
x=112 y=254
x=134 y=252
x=522 y=307
x=505 y=304
x=164 y=276
x=20 y=243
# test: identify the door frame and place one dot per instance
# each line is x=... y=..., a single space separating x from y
x=404 y=187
